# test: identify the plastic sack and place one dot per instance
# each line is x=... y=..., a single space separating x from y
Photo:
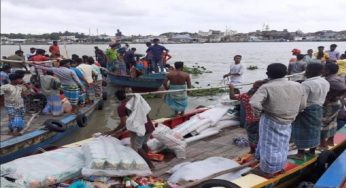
x=45 y=169
x=171 y=139
x=201 y=169
x=227 y=123
x=204 y=134
x=202 y=121
x=106 y=156
x=155 y=145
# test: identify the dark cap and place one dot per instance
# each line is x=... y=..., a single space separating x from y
x=320 y=47
x=18 y=51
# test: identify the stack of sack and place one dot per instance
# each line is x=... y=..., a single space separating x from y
x=102 y=156
x=45 y=169
x=106 y=156
x=202 y=125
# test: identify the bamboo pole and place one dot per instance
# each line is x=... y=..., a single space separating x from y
x=26 y=62
x=196 y=89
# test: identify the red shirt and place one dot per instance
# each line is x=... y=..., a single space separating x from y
x=249 y=115
x=123 y=111
x=39 y=58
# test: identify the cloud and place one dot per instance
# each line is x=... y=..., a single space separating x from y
x=155 y=16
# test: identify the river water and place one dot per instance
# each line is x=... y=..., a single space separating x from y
x=215 y=57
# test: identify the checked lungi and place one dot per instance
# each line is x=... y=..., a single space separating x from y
x=329 y=120
x=71 y=92
x=53 y=106
x=177 y=101
x=272 y=145
x=16 y=117
x=306 y=128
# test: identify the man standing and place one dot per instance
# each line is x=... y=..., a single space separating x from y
x=54 y=50
x=32 y=53
x=295 y=52
x=306 y=128
x=298 y=67
x=333 y=55
x=277 y=114
x=321 y=56
x=70 y=82
x=130 y=59
x=5 y=70
x=112 y=57
x=178 y=80
x=18 y=56
x=157 y=51
x=138 y=143
x=236 y=71
x=100 y=57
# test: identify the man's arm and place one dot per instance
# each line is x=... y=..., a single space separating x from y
x=257 y=100
x=232 y=95
x=76 y=79
x=188 y=81
x=45 y=68
x=165 y=82
x=304 y=98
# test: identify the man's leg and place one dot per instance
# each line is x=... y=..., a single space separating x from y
x=137 y=143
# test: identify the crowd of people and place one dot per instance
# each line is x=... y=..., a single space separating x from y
x=124 y=60
x=67 y=85
x=303 y=104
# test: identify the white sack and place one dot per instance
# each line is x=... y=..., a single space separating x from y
x=201 y=169
x=204 y=134
x=227 y=123
x=171 y=139
x=45 y=169
x=106 y=156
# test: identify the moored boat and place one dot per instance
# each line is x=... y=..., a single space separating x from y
x=44 y=131
x=147 y=82
x=221 y=145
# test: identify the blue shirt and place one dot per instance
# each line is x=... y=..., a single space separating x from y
x=4 y=79
x=156 y=51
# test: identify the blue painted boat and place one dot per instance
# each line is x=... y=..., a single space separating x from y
x=147 y=82
x=335 y=176
x=30 y=142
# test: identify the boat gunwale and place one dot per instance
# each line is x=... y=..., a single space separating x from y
x=41 y=131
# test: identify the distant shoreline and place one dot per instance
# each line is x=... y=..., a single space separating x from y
x=106 y=43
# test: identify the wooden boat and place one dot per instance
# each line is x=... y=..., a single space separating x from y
x=144 y=83
x=221 y=145
x=38 y=136
x=335 y=175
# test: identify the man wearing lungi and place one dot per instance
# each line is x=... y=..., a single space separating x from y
x=306 y=128
x=178 y=80
x=278 y=103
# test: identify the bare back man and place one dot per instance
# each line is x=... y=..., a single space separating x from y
x=177 y=80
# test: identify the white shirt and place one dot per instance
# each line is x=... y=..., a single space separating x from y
x=13 y=95
x=236 y=69
x=87 y=72
x=316 y=89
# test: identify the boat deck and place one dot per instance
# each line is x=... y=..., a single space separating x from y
x=218 y=145
x=36 y=123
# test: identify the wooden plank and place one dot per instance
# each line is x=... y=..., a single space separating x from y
x=249 y=180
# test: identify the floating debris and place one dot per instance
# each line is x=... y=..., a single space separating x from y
x=252 y=67
x=196 y=69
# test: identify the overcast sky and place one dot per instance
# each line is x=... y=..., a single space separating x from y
x=158 y=16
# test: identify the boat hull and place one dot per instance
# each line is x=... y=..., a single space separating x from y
x=145 y=83
x=32 y=142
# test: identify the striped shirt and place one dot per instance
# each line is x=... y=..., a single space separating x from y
x=65 y=75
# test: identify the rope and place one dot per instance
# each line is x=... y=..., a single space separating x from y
x=196 y=89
